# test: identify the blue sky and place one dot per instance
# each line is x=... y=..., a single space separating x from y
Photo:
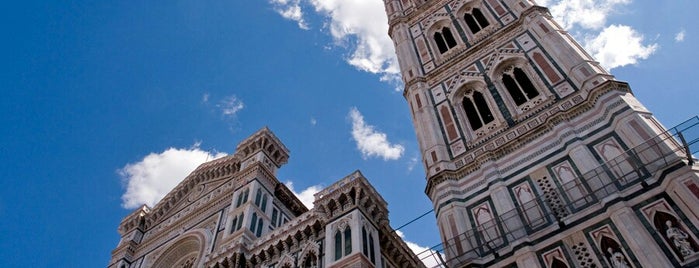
x=106 y=105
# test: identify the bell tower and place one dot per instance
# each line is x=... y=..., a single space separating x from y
x=535 y=156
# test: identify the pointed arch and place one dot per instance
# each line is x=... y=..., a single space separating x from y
x=474 y=107
x=475 y=20
x=675 y=235
x=338 y=245
x=520 y=86
x=444 y=39
x=253 y=222
x=558 y=263
x=443 y=35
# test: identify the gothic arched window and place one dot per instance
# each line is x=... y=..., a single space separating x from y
x=253 y=222
x=274 y=217
x=444 y=39
x=260 y=222
x=240 y=221
x=475 y=20
x=239 y=201
x=234 y=224
x=477 y=110
x=257 y=197
x=368 y=245
x=338 y=245
x=519 y=86
x=242 y=198
x=343 y=243
x=348 y=241
x=263 y=206
x=365 y=243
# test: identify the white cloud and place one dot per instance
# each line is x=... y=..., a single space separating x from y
x=427 y=256
x=363 y=24
x=150 y=179
x=618 y=45
x=412 y=163
x=231 y=105
x=679 y=37
x=314 y=121
x=588 y=14
x=371 y=142
x=306 y=196
x=612 y=45
x=205 y=98
x=291 y=10
x=360 y=24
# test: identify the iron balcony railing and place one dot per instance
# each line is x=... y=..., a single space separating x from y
x=602 y=184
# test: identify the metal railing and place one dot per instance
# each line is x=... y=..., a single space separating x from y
x=604 y=183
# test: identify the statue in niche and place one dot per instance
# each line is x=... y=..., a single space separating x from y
x=679 y=239
x=676 y=237
x=617 y=259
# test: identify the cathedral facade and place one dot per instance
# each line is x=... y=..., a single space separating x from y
x=535 y=156
x=233 y=212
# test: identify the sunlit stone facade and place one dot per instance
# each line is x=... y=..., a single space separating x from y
x=233 y=212
x=535 y=155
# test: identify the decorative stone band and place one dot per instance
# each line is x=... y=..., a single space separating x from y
x=527 y=130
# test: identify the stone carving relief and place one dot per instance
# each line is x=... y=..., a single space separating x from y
x=675 y=235
x=611 y=247
x=286 y=261
x=309 y=255
x=342 y=223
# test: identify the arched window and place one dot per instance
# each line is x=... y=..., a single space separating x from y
x=338 y=245
x=240 y=200
x=475 y=20
x=253 y=222
x=234 y=224
x=365 y=242
x=343 y=243
x=240 y=221
x=519 y=86
x=368 y=245
x=245 y=195
x=264 y=203
x=477 y=110
x=274 y=217
x=444 y=40
x=260 y=223
x=257 y=197
x=348 y=241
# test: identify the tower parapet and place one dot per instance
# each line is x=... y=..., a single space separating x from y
x=263 y=147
